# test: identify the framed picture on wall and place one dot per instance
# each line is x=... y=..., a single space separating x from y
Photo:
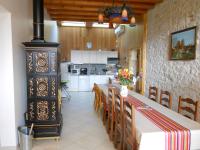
x=183 y=44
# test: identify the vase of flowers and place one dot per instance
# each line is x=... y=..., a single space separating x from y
x=125 y=78
x=124 y=91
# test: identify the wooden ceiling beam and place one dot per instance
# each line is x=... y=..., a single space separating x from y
x=76 y=19
x=86 y=18
x=67 y=11
x=99 y=4
x=139 y=1
x=94 y=7
x=81 y=20
x=93 y=10
x=87 y=10
x=78 y=14
x=103 y=2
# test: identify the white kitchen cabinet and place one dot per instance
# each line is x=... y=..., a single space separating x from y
x=112 y=54
x=104 y=56
x=76 y=57
x=85 y=57
x=73 y=82
x=99 y=57
x=92 y=57
x=99 y=79
x=84 y=83
x=95 y=79
x=92 y=81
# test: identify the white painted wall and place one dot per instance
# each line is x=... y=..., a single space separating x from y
x=7 y=107
x=181 y=78
x=13 y=97
x=15 y=28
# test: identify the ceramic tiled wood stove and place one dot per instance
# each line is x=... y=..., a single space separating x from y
x=43 y=81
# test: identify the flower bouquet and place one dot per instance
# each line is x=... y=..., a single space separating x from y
x=125 y=78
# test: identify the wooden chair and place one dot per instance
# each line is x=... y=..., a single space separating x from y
x=97 y=101
x=118 y=133
x=111 y=112
x=153 y=93
x=129 y=127
x=165 y=99
x=188 y=105
x=105 y=108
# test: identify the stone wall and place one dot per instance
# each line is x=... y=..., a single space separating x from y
x=181 y=78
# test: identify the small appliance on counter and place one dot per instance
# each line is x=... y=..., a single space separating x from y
x=75 y=71
x=69 y=68
x=83 y=71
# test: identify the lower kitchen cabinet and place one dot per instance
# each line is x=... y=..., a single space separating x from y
x=99 y=79
x=73 y=83
x=86 y=82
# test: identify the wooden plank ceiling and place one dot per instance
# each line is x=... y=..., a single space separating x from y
x=87 y=10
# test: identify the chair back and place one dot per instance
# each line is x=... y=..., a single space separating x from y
x=97 y=101
x=103 y=98
x=118 y=108
x=153 y=93
x=111 y=112
x=129 y=123
x=111 y=100
x=96 y=90
x=166 y=99
x=188 y=107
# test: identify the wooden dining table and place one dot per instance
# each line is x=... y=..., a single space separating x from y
x=160 y=128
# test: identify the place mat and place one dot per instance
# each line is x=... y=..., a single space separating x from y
x=177 y=137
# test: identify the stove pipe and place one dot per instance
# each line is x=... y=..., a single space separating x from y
x=38 y=21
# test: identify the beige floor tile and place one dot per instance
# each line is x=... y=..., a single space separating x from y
x=82 y=128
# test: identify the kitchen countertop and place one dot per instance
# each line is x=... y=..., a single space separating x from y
x=92 y=75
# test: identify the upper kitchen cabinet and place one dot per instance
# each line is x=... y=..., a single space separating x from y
x=112 y=54
x=92 y=57
x=85 y=57
x=76 y=57
x=101 y=57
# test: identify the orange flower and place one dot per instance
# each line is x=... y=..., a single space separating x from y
x=125 y=76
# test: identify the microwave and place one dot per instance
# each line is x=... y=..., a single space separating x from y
x=83 y=71
x=75 y=71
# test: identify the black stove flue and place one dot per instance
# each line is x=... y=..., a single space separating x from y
x=38 y=21
x=38 y=27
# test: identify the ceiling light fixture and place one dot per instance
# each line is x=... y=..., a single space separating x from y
x=103 y=25
x=100 y=17
x=117 y=14
x=73 y=24
x=83 y=24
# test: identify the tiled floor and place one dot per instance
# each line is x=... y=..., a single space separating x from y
x=82 y=129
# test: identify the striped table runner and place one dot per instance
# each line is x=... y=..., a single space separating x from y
x=177 y=137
